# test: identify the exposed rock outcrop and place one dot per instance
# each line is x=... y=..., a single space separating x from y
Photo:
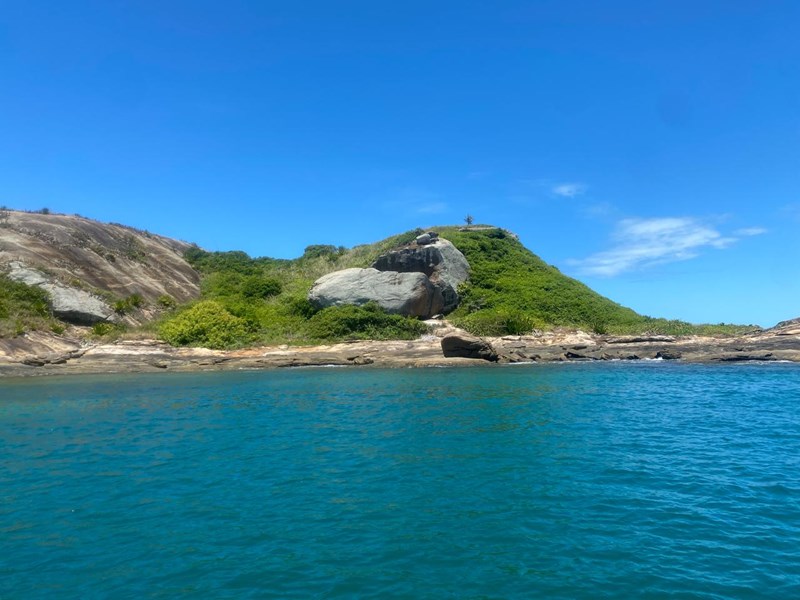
x=41 y=353
x=419 y=280
x=468 y=346
x=410 y=294
x=70 y=304
x=79 y=258
x=439 y=259
x=790 y=327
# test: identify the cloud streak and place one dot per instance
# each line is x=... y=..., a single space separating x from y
x=643 y=243
x=750 y=231
x=569 y=190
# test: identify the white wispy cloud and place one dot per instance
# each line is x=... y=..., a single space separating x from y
x=750 y=231
x=569 y=190
x=642 y=243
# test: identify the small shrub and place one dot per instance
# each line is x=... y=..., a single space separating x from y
x=105 y=329
x=498 y=323
x=207 y=324
x=22 y=308
x=228 y=262
x=132 y=249
x=317 y=250
x=301 y=307
x=260 y=287
x=166 y=302
x=126 y=305
x=362 y=322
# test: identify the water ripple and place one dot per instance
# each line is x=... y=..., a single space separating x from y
x=573 y=481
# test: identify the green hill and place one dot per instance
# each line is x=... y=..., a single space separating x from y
x=242 y=300
x=510 y=291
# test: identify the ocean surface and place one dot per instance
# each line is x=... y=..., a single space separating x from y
x=617 y=480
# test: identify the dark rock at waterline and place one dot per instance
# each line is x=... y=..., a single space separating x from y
x=467 y=346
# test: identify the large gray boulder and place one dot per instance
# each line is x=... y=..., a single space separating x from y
x=68 y=303
x=439 y=259
x=408 y=294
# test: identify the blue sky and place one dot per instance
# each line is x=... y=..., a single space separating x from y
x=650 y=149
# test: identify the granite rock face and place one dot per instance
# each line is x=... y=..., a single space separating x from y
x=408 y=294
x=438 y=259
x=77 y=256
x=70 y=304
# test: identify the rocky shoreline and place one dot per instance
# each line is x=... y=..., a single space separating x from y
x=46 y=354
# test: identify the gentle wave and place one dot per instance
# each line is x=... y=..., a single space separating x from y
x=646 y=480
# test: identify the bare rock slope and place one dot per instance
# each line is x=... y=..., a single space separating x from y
x=85 y=265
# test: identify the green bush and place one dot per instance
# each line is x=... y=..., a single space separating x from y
x=23 y=308
x=499 y=323
x=256 y=286
x=301 y=307
x=166 y=302
x=317 y=250
x=207 y=324
x=362 y=322
x=104 y=329
x=234 y=261
x=126 y=305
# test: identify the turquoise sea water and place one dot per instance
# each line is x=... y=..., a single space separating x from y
x=561 y=481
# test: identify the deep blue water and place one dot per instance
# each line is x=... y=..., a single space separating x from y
x=561 y=481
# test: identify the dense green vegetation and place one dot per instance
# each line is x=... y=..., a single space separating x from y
x=268 y=298
x=207 y=324
x=263 y=300
x=510 y=291
x=23 y=308
x=368 y=322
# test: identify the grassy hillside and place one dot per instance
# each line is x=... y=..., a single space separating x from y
x=266 y=299
x=510 y=291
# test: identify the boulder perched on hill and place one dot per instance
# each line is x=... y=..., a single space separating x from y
x=409 y=294
x=437 y=258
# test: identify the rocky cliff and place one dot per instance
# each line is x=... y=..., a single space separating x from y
x=87 y=266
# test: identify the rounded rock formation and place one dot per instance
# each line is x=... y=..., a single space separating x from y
x=408 y=294
x=468 y=346
x=439 y=259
